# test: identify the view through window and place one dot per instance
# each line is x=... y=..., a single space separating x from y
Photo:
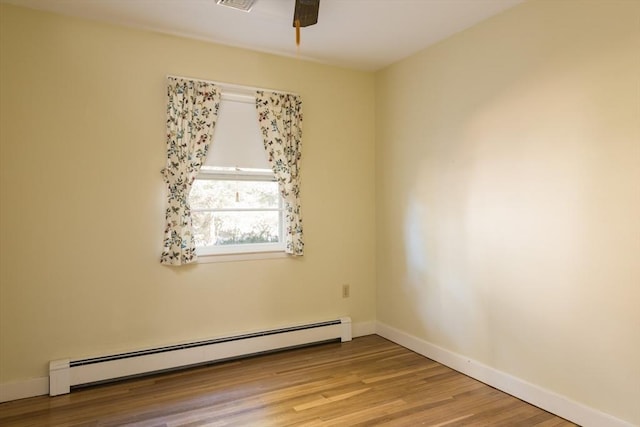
x=236 y=211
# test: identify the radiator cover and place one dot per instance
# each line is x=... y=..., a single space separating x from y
x=65 y=373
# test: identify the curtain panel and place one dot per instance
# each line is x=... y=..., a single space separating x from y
x=280 y=119
x=192 y=111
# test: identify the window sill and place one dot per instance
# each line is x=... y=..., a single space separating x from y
x=247 y=256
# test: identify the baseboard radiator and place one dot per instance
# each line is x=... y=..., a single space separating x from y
x=64 y=374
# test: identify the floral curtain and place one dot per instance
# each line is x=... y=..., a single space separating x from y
x=280 y=119
x=192 y=110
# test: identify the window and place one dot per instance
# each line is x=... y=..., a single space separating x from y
x=235 y=202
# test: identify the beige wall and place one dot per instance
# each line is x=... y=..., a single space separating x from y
x=508 y=198
x=507 y=192
x=82 y=209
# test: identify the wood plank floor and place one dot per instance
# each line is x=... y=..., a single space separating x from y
x=369 y=381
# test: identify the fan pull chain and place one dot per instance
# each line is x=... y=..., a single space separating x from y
x=237 y=192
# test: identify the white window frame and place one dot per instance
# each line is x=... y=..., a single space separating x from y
x=242 y=251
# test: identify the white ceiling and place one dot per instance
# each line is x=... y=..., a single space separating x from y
x=361 y=34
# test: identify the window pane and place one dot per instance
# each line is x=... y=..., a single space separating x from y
x=222 y=194
x=233 y=228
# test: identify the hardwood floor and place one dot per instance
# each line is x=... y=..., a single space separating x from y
x=369 y=381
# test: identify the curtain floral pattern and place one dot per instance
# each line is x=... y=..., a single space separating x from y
x=192 y=110
x=280 y=119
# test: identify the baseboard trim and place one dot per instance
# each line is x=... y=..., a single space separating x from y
x=361 y=329
x=23 y=389
x=523 y=390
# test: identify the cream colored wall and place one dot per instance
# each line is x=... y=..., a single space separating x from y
x=82 y=209
x=508 y=198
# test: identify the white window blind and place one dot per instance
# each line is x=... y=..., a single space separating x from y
x=237 y=142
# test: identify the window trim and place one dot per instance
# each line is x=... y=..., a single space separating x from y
x=243 y=256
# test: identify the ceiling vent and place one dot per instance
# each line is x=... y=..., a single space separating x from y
x=244 y=5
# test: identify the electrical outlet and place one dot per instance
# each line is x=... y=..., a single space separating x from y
x=345 y=291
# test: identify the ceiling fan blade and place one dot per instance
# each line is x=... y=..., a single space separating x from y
x=306 y=11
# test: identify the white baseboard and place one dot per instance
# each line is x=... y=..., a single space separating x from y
x=538 y=396
x=531 y=393
x=23 y=389
x=361 y=329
